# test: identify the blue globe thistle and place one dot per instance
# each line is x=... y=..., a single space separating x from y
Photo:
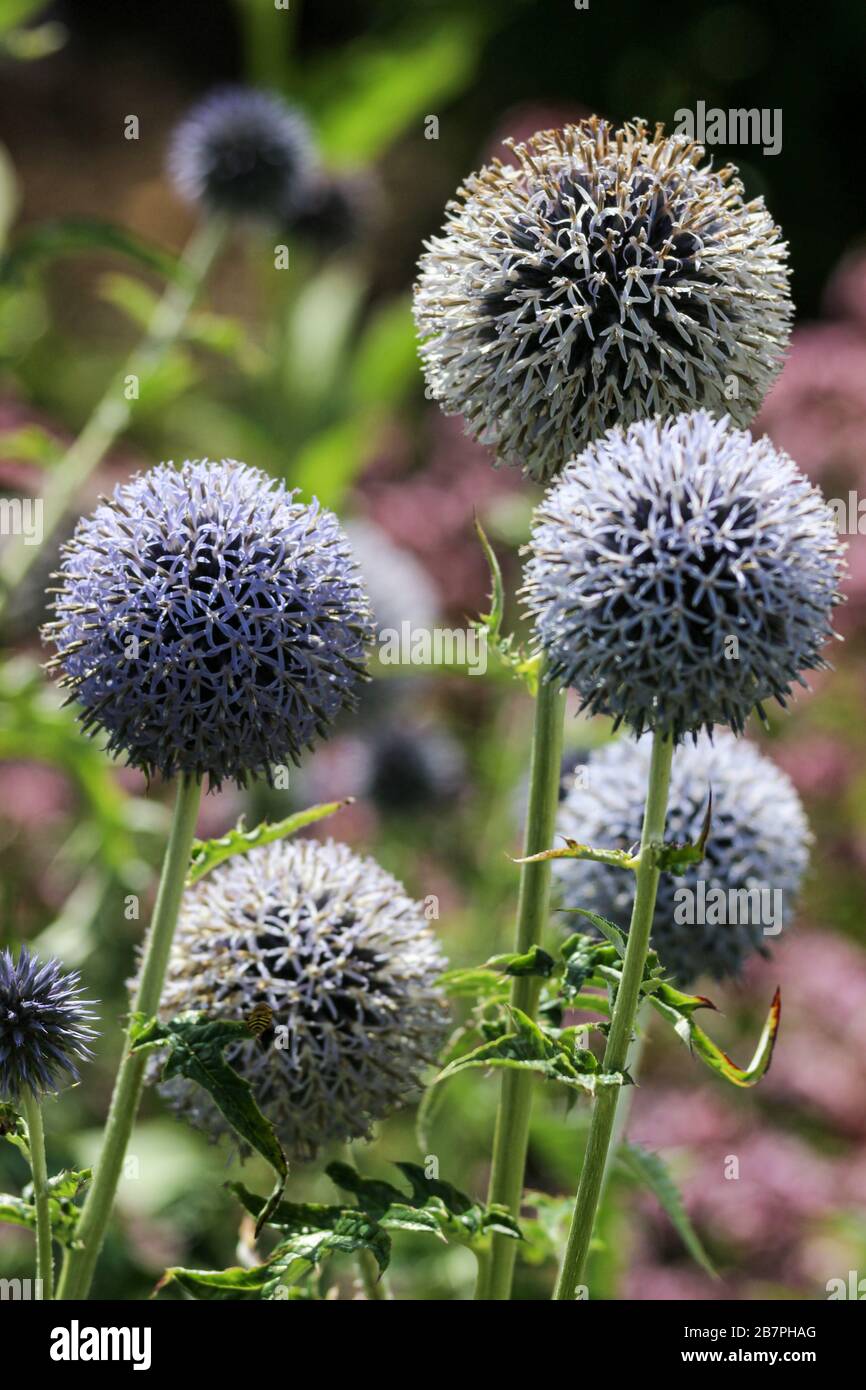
x=348 y=964
x=242 y=153
x=209 y=623
x=681 y=573
x=44 y=1026
x=759 y=839
x=606 y=276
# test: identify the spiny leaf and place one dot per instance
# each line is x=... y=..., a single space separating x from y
x=65 y=236
x=62 y=1189
x=433 y=1205
x=207 y=854
x=297 y=1256
x=649 y=1170
x=526 y=1047
x=608 y=929
x=697 y=1041
x=535 y=961
x=194 y=1046
x=674 y=858
x=215 y=1285
x=616 y=858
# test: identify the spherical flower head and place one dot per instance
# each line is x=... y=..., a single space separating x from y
x=681 y=573
x=44 y=1026
x=607 y=276
x=414 y=769
x=348 y=964
x=759 y=840
x=209 y=623
x=242 y=153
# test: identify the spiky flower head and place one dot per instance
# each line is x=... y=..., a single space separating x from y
x=606 y=276
x=348 y=964
x=208 y=622
x=759 y=840
x=681 y=573
x=243 y=153
x=44 y=1026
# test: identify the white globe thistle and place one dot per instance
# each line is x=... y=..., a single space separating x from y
x=759 y=839
x=348 y=964
x=681 y=573
x=608 y=275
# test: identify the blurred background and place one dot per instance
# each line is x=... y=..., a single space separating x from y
x=312 y=374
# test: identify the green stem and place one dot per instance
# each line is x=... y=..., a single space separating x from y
x=374 y=1283
x=79 y=1264
x=511 y=1136
x=622 y=1023
x=113 y=413
x=36 y=1133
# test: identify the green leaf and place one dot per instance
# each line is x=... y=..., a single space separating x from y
x=15 y=12
x=68 y=236
x=607 y=929
x=31 y=444
x=214 y=1285
x=616 y=858
x=385 y=364
x=697 y=1041
x=62 y=1190
x=474 y=982
x=552 y=1054
x=535 y=961
x=371 y=90
x=297 y=1256
x=433 y=1206
x=329 y=462
x=675 y=858
x=207 y=854
x=649 y=1170
x=194 y=1046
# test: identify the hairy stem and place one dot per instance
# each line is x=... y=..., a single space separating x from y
x=112 y=414
x=622 y=1023
x=511 y=1136
x=39 y=1169
x=78 y=1265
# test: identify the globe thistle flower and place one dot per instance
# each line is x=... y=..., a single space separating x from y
x=44 y=1026
x=759 y=838
x=209 y=623
x=243 y=153
x=347 y=963
x=335 y=211
x=682 y=573
x=609 y=275
x=414 y=768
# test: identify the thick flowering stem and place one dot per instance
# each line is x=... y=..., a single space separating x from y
x=38 y=1167
x=512 y=1121
x=113 y=413
x=622 y=1022
x=79 y=1264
